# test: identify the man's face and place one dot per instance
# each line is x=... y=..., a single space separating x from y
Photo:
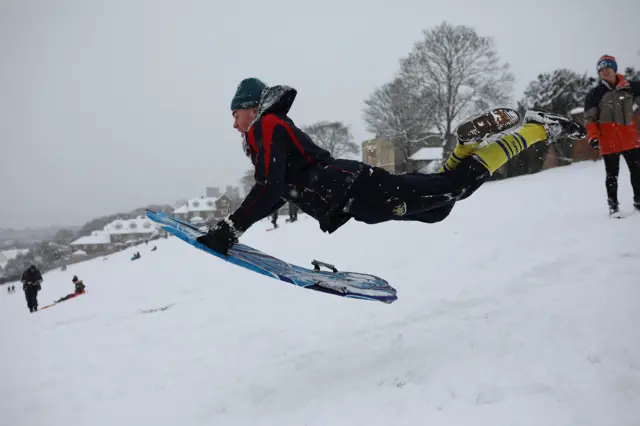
x=242 y=119
x=608 y=74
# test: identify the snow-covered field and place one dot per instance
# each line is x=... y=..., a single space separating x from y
x=522 y=308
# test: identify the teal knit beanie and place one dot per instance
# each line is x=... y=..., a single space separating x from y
x=248 y=94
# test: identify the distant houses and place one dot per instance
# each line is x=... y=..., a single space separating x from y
x=125 y=232
x=98 y=241
x=204 y=209
x=120 y=232
x=131 y=230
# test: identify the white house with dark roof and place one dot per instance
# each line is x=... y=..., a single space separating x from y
x=427 y=159
x=96 y=242
x=122 y=230
x=204 y=209
x=118 y=231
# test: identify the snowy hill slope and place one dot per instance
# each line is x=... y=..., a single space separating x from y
x=522 y=308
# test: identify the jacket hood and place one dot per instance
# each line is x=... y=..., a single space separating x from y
x=276 y=100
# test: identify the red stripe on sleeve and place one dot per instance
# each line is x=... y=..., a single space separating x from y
x=251 y=140
x=269 y=123
x=293 y=137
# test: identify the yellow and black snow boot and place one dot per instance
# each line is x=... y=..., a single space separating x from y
x=474 y=131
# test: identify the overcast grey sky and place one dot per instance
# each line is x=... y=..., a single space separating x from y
x=109 y=105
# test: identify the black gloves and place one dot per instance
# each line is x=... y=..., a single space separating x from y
x=221 y=237
x=595 y=143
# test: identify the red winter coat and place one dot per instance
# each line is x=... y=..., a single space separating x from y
x=609 y=115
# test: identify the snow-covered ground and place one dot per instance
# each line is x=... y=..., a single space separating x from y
x=522 y=308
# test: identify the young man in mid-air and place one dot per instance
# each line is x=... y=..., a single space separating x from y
x=289 y=166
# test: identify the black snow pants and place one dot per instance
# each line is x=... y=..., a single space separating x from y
x=31 y=294
x=612 y=167
x=378 y=196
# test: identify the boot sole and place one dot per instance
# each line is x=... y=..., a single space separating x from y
x=487 y=124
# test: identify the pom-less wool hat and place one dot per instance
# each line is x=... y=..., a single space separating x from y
x=248 y=94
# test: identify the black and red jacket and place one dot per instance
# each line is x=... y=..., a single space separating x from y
x=289 y=166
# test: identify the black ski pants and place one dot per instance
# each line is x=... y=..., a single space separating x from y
x=378 y=196
x=612 y=167
x=31 y=294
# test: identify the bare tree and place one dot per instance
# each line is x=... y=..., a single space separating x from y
x=461 y=69
x=401 y=114
x=333 y=136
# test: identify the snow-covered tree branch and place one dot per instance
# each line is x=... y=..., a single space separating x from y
x=559 y=91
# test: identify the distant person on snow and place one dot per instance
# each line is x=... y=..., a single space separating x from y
x=293 y=212
x=274 y=219
x=31 y=284
x=289 y=166
x=79 y=284
x=79 y=289
x=612 y=128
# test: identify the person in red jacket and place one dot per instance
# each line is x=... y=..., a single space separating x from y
x=79 y=285
x=613 y=128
